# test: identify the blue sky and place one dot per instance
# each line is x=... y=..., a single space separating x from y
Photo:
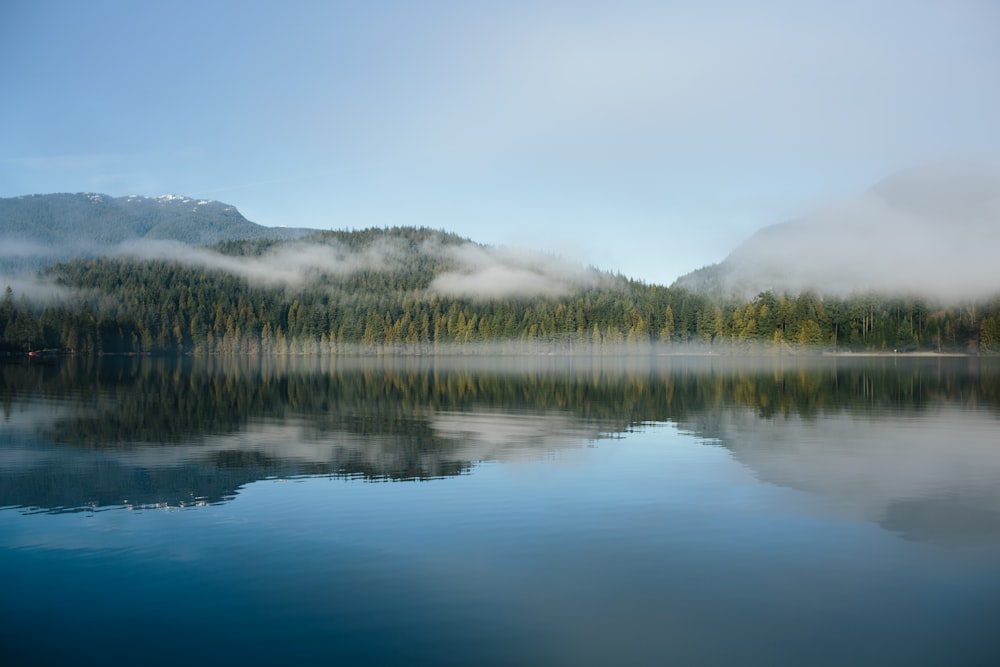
x=648 y=138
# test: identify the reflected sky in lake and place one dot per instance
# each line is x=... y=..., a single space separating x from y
x=381 y=512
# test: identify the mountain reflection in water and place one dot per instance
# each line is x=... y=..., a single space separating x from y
x=525 y=511
x=908 y=443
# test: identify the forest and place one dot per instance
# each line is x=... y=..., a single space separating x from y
x=130 y=305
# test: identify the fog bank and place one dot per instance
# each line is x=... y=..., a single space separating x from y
x=929 y=232
x=472 y=270
x=486 y=272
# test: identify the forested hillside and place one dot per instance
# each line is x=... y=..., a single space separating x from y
x=386 y=289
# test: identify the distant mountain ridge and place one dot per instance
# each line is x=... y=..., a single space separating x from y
x=37 y=229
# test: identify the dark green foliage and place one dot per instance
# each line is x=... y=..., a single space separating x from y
x=154 y=306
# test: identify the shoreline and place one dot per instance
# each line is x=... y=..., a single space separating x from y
x=929 y=355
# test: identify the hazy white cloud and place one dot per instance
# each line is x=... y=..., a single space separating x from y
x=481 y=271
x=931 y=232
x=12 y=247
x=486 y=272
x=288 y=264
x=34 y=288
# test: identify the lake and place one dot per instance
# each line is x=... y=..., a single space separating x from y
x=501 y=511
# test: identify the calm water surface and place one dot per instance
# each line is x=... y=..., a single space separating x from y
x=523 y=511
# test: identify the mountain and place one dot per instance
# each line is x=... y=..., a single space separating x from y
x=133 y=281
x=930 y=231
x=38 y=229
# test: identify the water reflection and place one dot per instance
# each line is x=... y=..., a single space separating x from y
x=930 y=474
x=909 y=443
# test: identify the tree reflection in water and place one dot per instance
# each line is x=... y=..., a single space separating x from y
x=111 y=432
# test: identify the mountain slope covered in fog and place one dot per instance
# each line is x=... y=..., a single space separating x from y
x=930 y=232
x=907 y=267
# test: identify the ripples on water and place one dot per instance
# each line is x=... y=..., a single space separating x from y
x=466 y=512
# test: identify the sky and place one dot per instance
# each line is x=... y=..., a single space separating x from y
x=645 y=138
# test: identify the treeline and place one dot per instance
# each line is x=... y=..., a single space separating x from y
x=119 y=402
x=144 y=307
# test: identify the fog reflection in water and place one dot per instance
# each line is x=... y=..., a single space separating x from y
x=878 y=435
x=546 y=511
x=928 y=475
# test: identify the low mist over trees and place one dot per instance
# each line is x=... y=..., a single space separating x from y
x=413 y=289
x=931 y=231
